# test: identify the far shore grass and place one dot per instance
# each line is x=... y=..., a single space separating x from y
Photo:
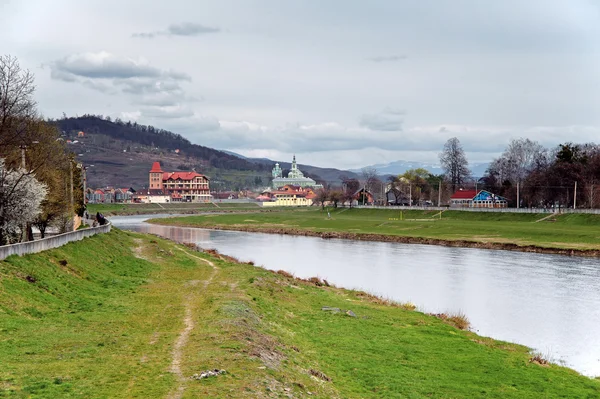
x=173 y=207
x=123 y=315
x=564 y=231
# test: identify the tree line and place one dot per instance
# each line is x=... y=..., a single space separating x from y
x=527 y=174
x=38 y=175
x=530 y=175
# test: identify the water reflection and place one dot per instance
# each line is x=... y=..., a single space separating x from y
x=548 y=302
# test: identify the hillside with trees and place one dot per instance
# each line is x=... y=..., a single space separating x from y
x=122 y=152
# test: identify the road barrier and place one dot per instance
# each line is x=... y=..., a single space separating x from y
x=31 y=247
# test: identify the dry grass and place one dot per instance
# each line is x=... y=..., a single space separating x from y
x=458 y=320
x=538 y=358
x=284 y=273
x=385 y=301
x=316 y=281
x=319 y=375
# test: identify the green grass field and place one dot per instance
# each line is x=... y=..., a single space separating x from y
x=173 y=207
x=565 y=231
x=124 y=315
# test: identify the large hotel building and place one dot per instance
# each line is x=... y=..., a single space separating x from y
x=180 y=186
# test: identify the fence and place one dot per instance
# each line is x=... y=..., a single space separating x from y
x=501 y=210
x=56 y=241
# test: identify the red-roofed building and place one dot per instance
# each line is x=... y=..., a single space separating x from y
x=181 y=186
x=462 y=198
x=477 y=199
x=288 y=195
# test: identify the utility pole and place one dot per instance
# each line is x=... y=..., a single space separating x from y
x=71 y=208
x=23 y=148
x=575 y=197
x=440 y=193
x=23 y=166
x=83 y=171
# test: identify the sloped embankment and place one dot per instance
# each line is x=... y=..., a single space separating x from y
x=125 y=315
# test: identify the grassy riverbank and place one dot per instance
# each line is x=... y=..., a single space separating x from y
x=490 y=230
x=126 y=315
x=173 y=207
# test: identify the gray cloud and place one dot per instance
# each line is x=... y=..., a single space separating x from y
x=101 y=65
x=183 y=29
x=388 y=58
x=109 y=73
x=104 y=65
x=388 y=120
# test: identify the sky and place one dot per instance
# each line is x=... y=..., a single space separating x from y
x=339 y=83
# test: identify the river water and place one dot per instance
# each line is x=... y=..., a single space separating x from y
x=550 y=303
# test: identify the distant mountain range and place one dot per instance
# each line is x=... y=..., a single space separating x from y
x=399 y=167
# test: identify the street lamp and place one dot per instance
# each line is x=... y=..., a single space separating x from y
x=84 y=178
x=23 y=148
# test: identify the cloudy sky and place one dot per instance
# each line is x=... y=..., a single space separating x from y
x=341 y=83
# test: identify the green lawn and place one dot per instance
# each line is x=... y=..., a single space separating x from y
x=124 y=315
x=173 y=207
x=568 y=231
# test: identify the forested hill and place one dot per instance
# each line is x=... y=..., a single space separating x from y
x=155 y=138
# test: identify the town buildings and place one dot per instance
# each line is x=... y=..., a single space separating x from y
x=163 y=187
x=109 y=195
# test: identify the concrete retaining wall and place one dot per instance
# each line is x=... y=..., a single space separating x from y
x=56 y=241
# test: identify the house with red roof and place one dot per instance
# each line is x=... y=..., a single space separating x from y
x=180 y=186
x=477 y=199
x=288 y=195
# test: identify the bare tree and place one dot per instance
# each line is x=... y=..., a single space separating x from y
x=17 y=105
x=455 y=164
x=335 y=196
x=518 y=160
x=370 y=178
x=322 y=196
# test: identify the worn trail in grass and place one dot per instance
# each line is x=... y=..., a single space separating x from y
x=565 y=231
x=124 y=315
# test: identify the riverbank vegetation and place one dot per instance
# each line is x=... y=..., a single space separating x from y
x=125 y=315
x=574 y=233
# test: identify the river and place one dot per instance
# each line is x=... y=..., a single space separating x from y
x=547 y=302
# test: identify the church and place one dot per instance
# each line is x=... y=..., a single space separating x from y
x=294 y=178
